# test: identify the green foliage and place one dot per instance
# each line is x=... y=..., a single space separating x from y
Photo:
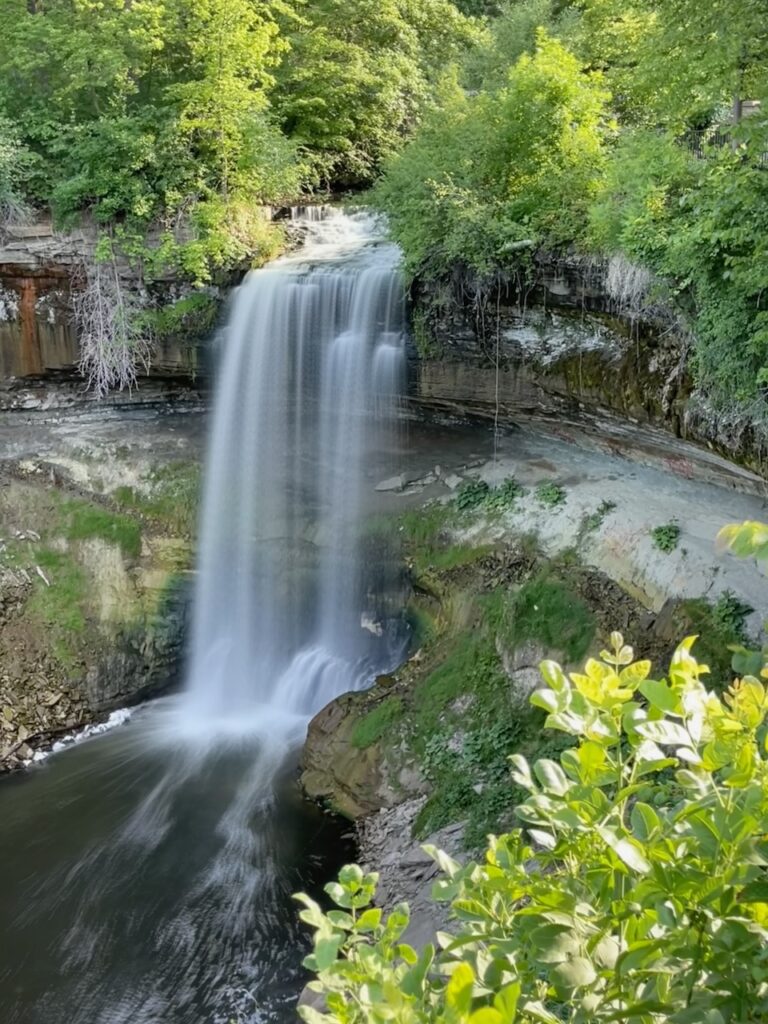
x=729 y=614
x=471 y=495
x=503 y=497
x=170 y=497
x=550 y=494
x=58 y=601
x=546 y=611
x=493 y=174
x=746 y=540
x=700 y=224
x=357 y=76
x=189 y=319
x=376 y=723
x=721 y=630
x=82 y=521
x=666 y=537
x=634 y=892
x=594 y=520
x=14 y=161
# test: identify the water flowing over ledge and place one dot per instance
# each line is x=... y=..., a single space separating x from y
x=313 y=363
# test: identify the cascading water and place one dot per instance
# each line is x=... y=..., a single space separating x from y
x=312 y=367
x=155 y=865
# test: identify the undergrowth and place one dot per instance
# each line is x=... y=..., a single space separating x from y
x=58 y=601
x=171 y=499
x=666 y=537
x=82 y=520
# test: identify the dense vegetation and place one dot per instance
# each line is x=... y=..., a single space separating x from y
x=635 y=889
x=189 y=113
x=608 y=127
x=613 y=129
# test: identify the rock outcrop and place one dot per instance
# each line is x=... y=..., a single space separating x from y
x=573 y=347
x=95 y=555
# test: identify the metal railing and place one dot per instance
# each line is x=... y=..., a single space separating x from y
x=704 y=139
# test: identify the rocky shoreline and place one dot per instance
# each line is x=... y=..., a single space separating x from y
x=383 y=758
x=97 y=520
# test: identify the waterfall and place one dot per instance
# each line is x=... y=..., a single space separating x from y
x=311 y=369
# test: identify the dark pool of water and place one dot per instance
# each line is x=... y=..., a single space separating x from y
x=146 y=879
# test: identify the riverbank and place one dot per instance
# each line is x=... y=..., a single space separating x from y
x=98 y=515
x=537 y=550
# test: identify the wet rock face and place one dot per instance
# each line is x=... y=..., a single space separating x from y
x=565 y=349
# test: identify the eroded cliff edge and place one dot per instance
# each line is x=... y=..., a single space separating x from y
x=577 y=341
x=97 y=524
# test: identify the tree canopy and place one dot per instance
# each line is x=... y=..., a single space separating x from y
x=607 y=127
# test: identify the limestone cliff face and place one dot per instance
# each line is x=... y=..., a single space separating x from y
x=40 y=268
x=571 y=348
x=96 y=547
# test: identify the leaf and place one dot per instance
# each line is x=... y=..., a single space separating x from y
x=665 y=733
x=547 y=700
x=755 y=892
x=574 y=973
x=645 y=821
x=627 y=850
x=553 y=676
x=486 y=1015
x=660 y=695
x=506 y=1001
x=458 y=991
x=326 y=951
x=543 y=839
x=554 y=943
x=413 y=981
x=551 y=776
x=369 y=920
x=312 y=914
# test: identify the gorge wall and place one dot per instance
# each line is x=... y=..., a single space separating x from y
x=570 y=347
x=97 y=520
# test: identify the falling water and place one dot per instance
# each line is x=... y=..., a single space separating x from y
x=147 y=874
x=312 y=366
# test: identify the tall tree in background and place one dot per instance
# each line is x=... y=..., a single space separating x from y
x=357 y=75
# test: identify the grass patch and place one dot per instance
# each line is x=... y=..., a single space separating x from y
x=422 y=527
x=666 y=537
x=550 y=494
x=83 y=521
x=546 y=611
x=59 y=605
x=172 y=499
x=376 y=723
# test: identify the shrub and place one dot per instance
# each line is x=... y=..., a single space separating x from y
x=471 y=494
x=667 y=537
x=635 y=892
x=550 y=494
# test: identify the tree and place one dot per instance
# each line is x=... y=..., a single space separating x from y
x=497 y=173
x=357 y=76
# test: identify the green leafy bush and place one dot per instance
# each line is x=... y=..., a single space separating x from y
x=666 y=537
x=550 y=494
x=493 y=174
x=471 y=495
x=635 y=892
